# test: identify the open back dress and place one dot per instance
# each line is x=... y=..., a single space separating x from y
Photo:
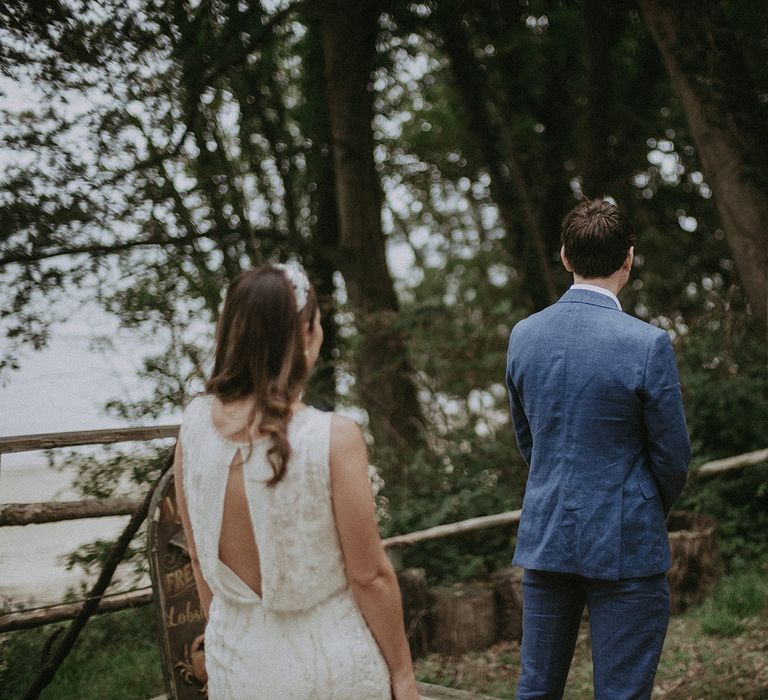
x=304 y=637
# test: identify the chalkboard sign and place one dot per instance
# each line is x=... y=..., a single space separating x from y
x=181 y=621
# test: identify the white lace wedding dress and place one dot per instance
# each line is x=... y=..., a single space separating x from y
x=305 y=637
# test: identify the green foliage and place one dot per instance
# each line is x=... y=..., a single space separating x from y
x=724 y=373
x=92 y=556
x=111 y=471
x=739 y=504
x=472 y=477
x=117 y=656
x=736 y=598
x=466 y=309
x=725 y=385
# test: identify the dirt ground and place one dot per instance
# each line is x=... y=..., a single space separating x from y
x=694 y=665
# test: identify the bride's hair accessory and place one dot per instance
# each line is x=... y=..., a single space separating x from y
x=299 y=281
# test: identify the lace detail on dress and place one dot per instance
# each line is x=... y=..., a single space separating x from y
x=305 y=637
x=294 y=525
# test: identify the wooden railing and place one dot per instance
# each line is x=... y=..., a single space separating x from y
x=47 y=441
x=16 y=514
x=37 y=617
x=55 y=511
x=719 y=466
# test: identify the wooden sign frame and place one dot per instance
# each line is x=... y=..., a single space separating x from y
x=181 y=623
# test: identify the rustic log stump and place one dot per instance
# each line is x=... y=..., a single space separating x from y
x=413 y=590
x=696 y=562
x=464 y=618
x=508 y=585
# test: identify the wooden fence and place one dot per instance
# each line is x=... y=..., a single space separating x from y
x=17 y=514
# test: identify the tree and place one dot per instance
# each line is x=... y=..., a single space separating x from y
x=703 y=47
x=487 y=104
x=384 y=374
x=211 y=154
x=181 y=142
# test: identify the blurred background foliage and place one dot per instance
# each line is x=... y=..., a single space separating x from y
x=417 y=158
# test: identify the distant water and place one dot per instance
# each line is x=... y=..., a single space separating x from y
x=31 y=567
x=59 y=389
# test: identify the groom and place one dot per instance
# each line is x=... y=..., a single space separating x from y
x=598 y=416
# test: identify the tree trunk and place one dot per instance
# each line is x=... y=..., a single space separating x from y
x=498 y=153
x=385 y=382
x=325 y=234
x=743 y=207
x=600 y=31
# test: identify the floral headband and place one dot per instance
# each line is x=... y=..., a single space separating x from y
x=298 y=279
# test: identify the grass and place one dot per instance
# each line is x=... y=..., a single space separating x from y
x=736 y=598
x=719 y=650
x=116 y=657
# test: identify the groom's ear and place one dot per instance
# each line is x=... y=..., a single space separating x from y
x=566 y=264
x=629 y=259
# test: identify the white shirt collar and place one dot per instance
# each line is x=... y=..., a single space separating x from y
x=599 y=290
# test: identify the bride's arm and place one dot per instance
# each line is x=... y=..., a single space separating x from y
x=203 y=589
x=369 y=571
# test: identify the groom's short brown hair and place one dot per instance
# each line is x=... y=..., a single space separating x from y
x=596 y=237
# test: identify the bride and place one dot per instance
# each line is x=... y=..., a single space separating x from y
x=300 y=597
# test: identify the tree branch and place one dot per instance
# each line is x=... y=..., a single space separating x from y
x=98 y=250
x=264 y=31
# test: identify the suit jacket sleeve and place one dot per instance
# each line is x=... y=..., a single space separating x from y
x=667 y=441
x=519 y=419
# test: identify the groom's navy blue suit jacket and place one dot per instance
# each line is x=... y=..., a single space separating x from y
x=598 y=415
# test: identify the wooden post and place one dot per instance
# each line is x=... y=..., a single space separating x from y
x=47 y=441
x=413 y=589
x=511 y=517
x=720 y=466
x=508 y=584
x=696 y=563
x=464 y=618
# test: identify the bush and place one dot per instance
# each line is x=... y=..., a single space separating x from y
x=472 y=478
x=722 y=369
x=739 y=503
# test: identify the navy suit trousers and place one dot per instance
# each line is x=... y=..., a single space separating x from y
x=628 y=621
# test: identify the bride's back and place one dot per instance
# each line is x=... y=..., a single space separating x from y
x=237 y=544
x=279 y=540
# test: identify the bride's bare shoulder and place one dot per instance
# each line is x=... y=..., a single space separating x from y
x=346 y=436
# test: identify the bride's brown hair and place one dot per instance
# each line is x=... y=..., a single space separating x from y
x=260 y=354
